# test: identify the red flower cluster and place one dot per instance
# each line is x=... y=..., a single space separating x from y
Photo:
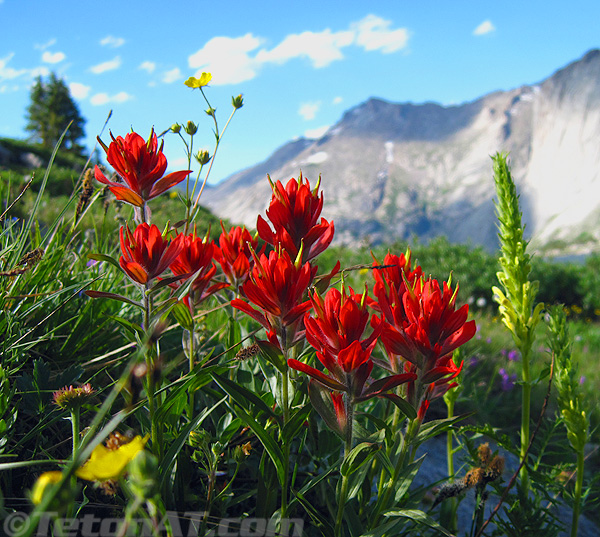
x=276 y=285
x=421 y=329
x=146 y=254
x=196 y=259
x=235 y=254
x=141 y=166
x=335 y=332
x=294 y=213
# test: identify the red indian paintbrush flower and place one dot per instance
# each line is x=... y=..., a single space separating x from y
x=335 y=332
x=430 y=327
x=141 y=165
x=424 y=331
x=146 y=254
x=196 y=259
x=277 y=285
x=235 y=254
x=294 y=213
x=391 y=283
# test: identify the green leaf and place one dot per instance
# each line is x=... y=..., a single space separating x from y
x=295 y=423
x=403 y=405
x=273 y=355
x=435 y=427
x=359 y=455
x=165 y=282
x=107 y=258
x=132 y=328
x=266 y=440
x=169 y=459
x=419 y=517
x=406 y=477
x=114 y=296
x=321 y=401
x=242 y=396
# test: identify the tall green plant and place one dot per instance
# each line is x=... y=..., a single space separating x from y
x=570 y=400
x=516 y=297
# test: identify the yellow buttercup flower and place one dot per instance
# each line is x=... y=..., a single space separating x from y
x=105 y=464
x=42 y=483
x=194 y=82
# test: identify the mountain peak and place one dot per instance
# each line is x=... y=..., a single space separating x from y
x=391 y=170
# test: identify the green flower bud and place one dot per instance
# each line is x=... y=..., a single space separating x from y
x=238 y=101
x=199 y=439
x=202 y=156
x=211 y=111
x=176 y=127
x=191 y=128
x=143 y=475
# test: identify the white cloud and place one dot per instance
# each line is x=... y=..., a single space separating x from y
x=227 y=59
x=484 y=28
x=112 y=41
x=337 y=100
x=8 y=73
x=147 y=66
x=53 y=57
x=103 y=98
x=44 y=46
x=374 y=33
x=110 y=65
x=320 y=48
x=317 y=133
x=232 y=60
x=172 y=76
x=79 y=91
x=309 y=110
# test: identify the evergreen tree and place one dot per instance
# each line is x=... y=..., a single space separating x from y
x=50 y=112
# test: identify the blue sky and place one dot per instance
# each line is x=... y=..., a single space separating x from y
x=299 y=65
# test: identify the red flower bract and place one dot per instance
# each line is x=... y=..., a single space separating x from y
x=195 y=258
x=235 y=254
x=294 y=213
x=141 y=165
x=276 y=285
x=335 y=332
x=145 y=253
x=431 y=327
x=421 y=330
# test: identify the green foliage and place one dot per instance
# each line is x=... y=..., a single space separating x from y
x=51 y=111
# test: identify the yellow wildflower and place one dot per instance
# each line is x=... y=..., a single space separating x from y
x=194 y=82
x=42 y=483
x=105 y=464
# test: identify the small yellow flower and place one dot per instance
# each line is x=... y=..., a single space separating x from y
x=42 y=483
x=105 y=464
x=194 y=82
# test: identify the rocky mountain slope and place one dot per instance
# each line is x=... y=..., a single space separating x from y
x=396 y=170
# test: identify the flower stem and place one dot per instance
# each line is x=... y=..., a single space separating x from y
x=192 y=351
x=525 y=416
x=449 y=436
x=286 y=444
x=347 y=448
x=577 y=493
x=75 y=429
x=150 y=383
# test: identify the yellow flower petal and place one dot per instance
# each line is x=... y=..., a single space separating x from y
x=194 y=82
x=105 y=464
x=42 y=483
